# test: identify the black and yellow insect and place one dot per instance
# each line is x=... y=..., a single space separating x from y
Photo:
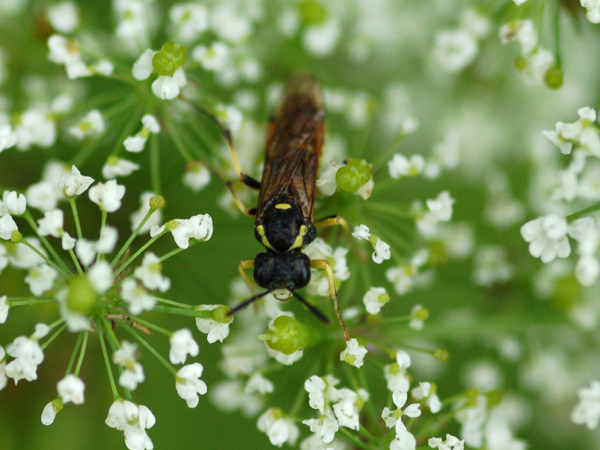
x=284 y=216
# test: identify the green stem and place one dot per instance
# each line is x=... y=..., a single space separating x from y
x=354 y=439
x=387 y=152
x=44 y=257
x=590 y=209
x=127 y=131
x=24 y=301
x=138 y=253
x=175 y=252
x=183 y=312
x=131 y=238
x=113 y=385
x=76 y=217
x=172 y=303
x=81 y=355
x=155 y=164
x=174 y=133
x=44 y=241
x=74 y=354
x=152 y=326
x=557 y=52
x=76 y=261
x=54 y=336
x=151 y=349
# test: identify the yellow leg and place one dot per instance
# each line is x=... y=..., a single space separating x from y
x=246 y=211
x=323 y=264
x=332 y=221
x=247 y=264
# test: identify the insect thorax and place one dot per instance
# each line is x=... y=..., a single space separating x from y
x=283 y=228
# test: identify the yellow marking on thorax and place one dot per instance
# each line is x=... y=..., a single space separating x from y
x=261 y=232
x=300 y=238
x=283 y=206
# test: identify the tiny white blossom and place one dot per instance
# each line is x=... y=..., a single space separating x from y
x=215 y=331
x=133 y=420
x=547 y=237
x=41 y=279
x=101 y=276
x=395 y=374
x=108 y=240
x=167 y=87
x=137 y=297
x=142 y=67
x=404 y=440
x=67 y=242
x=118 y=167
x=374 y=299
x=326 y=182
x=133 y=372
x=50 y=411
x=28 y=356
x=149 y=273
x=258 y=383
x=137 y=216
x=354 y=353
x=189 y=20
x=3 y=316
x=587 y=410
x=85 y=251
x=7 y=226
x=189 y=385
x=361 y=232
x=320 y=40
x=91 y=124
x=522 y=31
x=401 y=166
x=214 y=57
x=66 y=51
x=196 y=177
x=382 y=251
x=107 y=196
x=63 y=17
x=52 y=223
x=74 y=183
x=277 y=427
x=14 y=202
x=8 y=137
x=182 y=344
x=198 y=227
x=71 y=389
x=324 y=427
x=346 y=409
x=454 y=50
x=491 y=266
x=136 y=143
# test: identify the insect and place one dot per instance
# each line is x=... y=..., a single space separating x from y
x=284 y=216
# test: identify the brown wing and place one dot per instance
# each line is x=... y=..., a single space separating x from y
x=294 y=141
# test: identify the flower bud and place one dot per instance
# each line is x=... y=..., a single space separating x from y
x=288 y=336
x=82 y=297
x=157 y=202
x=441 y=355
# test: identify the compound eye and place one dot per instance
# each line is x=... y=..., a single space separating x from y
x=264 y=270
x=301 y=274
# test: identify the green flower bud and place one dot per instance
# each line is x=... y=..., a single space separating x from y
x=220 y=314
x=157 y=202
x=81 y=298
x=312 y=12
x=171 y=57
x=16 y=236
x=289 y=336
x=554 y=78
x=354 y=175
x=423 y=314
x=441 y=355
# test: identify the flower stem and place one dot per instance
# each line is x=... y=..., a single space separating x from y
x=76 y=217
x=152 y=326
x=151 y=349
x=138 y=253
x=44 y=241
x=76 y=261
x=354 y=439
x=113 y=386
x=155 y=164
x=175 y=135
x=54 y=336
x=183 y=312
x=81 y=355
x=74 y=354
x=44 y=257
x=25 y=301
x=131 y=238
x=590 y=209
x=171 y=302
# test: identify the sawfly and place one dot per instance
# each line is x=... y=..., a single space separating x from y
x=284 y=216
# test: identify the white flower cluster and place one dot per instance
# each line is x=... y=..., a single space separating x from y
x=382 y=249
x=319 y=249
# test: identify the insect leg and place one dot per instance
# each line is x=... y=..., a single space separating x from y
x=248 y=212
x=246 y=179
x=323 y=264
x=332 y=221
x=247 y=264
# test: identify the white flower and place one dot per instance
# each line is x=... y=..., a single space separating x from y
x=214 y=58
x=315 y=386
x=401 y=166
x=91 y=124
x=14 y=202
x=326 y=182
x=63 y=16
x=535 y=66
x=258 y=383
x=424 y=391
x=277 y=427
x=593 y=10
x=587 y=410
x=66 y=51
x=324 y=427
x=137 y=216
x=28 y=356
x=491 y=266
x=189 y=20
x=36 y=127
x=107 y=196
x=118 y=167
x=440 y=210
x=404 y=440
x=85 y=251
x=101 y=276
x=3 y=316
x=230 y=115
x=8 y=137
x=189 y=385
x=547 y=237
x=415 y=322
x=522 y=31
x=50 y=411
x=136 y=143
x=182 y=344
x=7 y=226
x=149 y=273
x=199 y=227
x=41 y=279
x=354 y=353
x=52 y=223
x=347 y=409
x=74 y=183
x=395 y=374
x=138 y=298
x=374 y=299
x=321 y=40
x=382 y=251
x=197 y=176
x=108 y=240
x=133 y=373
x=134 y=420
x=215 y=331
x=167 y=87
x=71 y=389
x=393 y=418
x=454 y=50
x=361 y=232
x=406 y=276
x=67 y=242
x=24 y=257
x=142 y=67
x=451 y=442
x=229 y=24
